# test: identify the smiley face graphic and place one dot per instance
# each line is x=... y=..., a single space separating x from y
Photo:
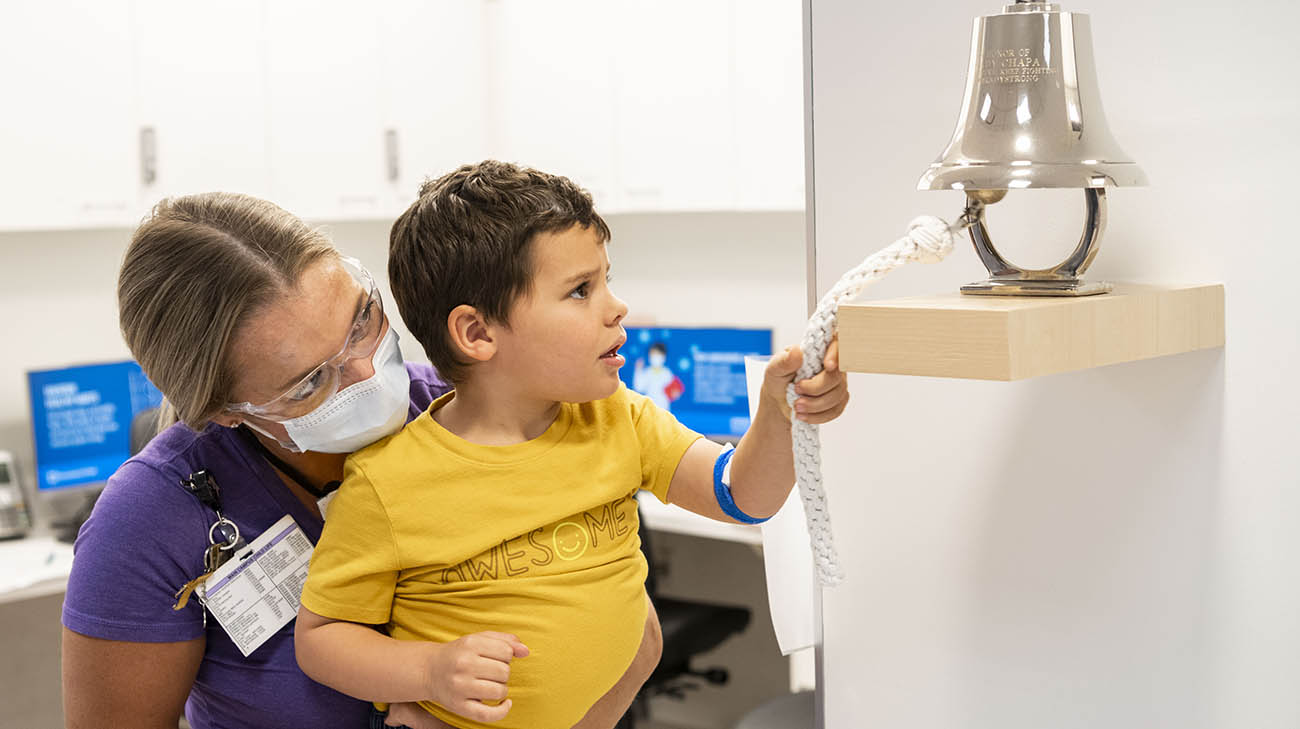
x=570 y=540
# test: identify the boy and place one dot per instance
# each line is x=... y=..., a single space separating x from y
x=510 y=504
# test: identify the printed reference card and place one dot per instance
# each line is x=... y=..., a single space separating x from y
x=258 y=591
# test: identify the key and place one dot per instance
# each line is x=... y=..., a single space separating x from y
x=213 y=558
x=183 y=594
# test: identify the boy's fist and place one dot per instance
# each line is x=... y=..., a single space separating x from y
x=822 y=397
x=472 y=670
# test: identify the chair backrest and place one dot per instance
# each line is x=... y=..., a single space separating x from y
x=651 y=583
x=144 y=426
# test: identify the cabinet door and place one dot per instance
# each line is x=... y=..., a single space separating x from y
x=553 y=88
x=202 y=96
x=768 y=84
x=676 y=119
x=325 y=133
x=435 y=75
x=68 y=142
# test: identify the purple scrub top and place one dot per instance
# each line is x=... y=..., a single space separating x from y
x=146 y=538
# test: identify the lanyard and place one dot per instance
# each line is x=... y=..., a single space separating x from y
x=285 y=468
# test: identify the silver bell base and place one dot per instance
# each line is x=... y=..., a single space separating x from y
x=1006 y=279
x=1025 y=287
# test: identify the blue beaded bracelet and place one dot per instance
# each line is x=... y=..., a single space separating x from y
x=722 y=489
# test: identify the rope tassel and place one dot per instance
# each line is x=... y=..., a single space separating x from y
x=928 y=240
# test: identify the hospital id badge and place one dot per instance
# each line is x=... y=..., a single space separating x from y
x=258 y=590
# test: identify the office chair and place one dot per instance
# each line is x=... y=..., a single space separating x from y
x=689 y=628
x=144 y=426
x=794 y=711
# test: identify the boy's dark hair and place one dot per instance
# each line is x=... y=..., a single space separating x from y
x=467 y=240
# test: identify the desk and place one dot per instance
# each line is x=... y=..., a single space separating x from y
x=663 y=517
x=34 y=566
x=33 y=577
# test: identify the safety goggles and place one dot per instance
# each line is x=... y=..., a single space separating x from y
x=321 y=384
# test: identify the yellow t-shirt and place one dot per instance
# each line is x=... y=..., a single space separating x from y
x=437 y=538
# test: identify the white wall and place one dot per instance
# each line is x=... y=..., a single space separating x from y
x=1110 y=548
x=728 y=269
x=59 y=293
x=60 y=308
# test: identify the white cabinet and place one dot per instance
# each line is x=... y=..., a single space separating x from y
x=332 y=110
x=768 y=88
x=553 y=86
x=67 y=131
x=675 y=101
x=367 y=100
x=202 y=97
x=338 y=110
x=324 y=126
x=710 y=105
x=434 y=60
x=673 y=106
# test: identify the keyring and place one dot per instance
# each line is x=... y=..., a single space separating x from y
x=212 y=536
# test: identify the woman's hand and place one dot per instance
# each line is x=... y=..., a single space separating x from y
x=412 y=716
x=474 y=669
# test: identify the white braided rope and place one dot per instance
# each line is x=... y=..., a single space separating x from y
x=928 y=240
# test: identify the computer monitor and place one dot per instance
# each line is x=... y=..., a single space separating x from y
x=81 y=421
x=696 y=373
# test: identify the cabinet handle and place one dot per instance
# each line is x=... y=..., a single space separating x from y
x=390 y=154
x=148 y=155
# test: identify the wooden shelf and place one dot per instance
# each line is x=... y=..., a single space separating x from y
x=1012 y=338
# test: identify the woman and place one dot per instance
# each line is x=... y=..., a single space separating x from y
x=275 y=354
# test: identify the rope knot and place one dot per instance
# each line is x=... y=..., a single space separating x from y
x=931 y=238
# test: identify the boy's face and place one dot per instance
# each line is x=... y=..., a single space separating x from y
x=564 y=335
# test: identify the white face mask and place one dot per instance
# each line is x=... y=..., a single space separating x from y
x=360 y=413
x=657 y=359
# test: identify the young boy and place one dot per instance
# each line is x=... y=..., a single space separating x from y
x=510 y=504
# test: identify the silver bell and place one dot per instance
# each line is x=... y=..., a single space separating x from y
x=1032 y=117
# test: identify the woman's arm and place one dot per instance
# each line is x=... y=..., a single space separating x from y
x=109 y=684
x=611 y=707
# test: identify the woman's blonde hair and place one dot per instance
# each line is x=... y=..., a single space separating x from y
x=194 y=272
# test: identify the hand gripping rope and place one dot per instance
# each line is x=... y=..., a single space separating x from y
x=928 y=240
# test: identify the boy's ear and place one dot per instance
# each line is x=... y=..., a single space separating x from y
x=471 y=335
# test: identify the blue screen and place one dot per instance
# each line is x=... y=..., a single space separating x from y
x=696 y=374
x=81 y=420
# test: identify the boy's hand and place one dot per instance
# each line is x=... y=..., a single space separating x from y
x=822 y=397
x=473 y=669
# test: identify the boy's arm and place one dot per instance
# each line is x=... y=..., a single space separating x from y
x=362 y=662
x=762 y=469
